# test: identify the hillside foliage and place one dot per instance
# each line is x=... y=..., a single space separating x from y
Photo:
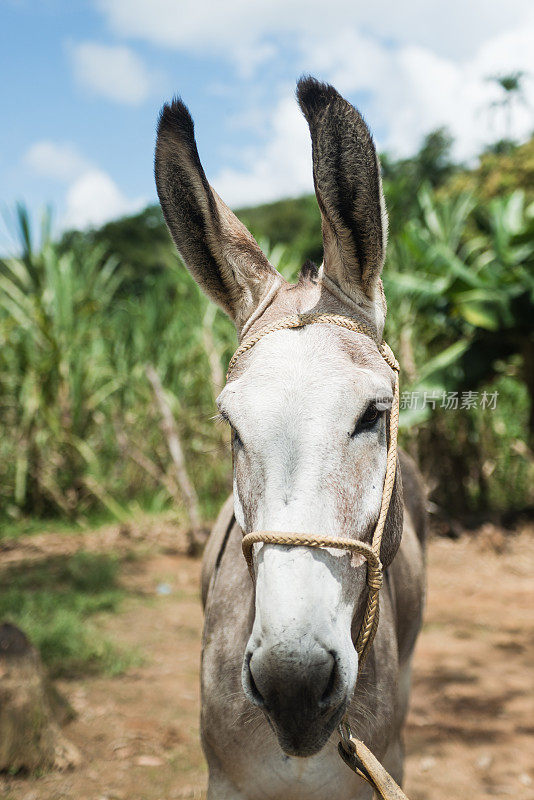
x=80 y=320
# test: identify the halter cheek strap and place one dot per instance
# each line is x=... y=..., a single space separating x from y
x=371 y=552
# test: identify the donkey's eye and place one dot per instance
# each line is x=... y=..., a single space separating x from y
x=368 y=419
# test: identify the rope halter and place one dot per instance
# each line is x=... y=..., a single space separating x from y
x=371 y=552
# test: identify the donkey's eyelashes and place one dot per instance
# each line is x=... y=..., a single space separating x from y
x=223 y=418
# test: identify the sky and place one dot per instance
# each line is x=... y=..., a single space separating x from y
x=82 y=82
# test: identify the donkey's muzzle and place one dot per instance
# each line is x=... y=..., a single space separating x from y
x=301 y=692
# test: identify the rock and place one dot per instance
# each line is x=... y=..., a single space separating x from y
x=30 y=710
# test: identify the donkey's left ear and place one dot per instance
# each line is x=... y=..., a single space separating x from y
x=221 y=254
x=348 y=186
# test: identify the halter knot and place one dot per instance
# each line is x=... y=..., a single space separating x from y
x=374 y=579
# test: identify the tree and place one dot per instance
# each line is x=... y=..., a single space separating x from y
x=431 y=166
x=511 y=85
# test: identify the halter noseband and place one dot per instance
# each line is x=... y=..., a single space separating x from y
x=370 y=552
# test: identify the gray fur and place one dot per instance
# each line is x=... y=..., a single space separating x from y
x=244 y=756
x=250 y=752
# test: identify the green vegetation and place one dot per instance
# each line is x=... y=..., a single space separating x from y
x=465 y=306
x=53 y=601
x=497 y=175
x=78 y=423
x=80 y=319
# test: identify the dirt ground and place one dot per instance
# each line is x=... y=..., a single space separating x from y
x=470 y=733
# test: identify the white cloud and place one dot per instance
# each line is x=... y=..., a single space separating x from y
x=56 y=160
x=94 y=198
x=413 y=90
x=235 y=27
x=281 y=168
x=417 y=65
x=114 y=72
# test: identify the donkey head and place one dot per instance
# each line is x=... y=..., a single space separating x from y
x=307 y=408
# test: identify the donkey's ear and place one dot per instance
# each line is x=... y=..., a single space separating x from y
x=348 y=186
x=221 y=254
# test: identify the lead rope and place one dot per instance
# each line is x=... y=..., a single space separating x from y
x=353 y=751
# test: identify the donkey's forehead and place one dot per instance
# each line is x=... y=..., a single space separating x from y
x=301 y=364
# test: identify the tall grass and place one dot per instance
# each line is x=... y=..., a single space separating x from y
x=77 y=420
x=79 y=425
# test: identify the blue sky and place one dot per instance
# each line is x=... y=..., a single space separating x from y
x=82 y=83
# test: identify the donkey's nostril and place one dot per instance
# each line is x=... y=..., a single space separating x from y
x=293 y=686
x=249 y=684
x=330 y=687
x=254 y=691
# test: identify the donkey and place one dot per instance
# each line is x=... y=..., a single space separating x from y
x=308 y=411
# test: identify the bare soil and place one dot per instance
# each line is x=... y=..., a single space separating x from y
x=470 y=733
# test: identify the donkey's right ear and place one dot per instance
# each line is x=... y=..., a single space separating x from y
x=221 y=254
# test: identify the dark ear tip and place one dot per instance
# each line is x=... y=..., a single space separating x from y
x=175 y=119
x=313 y=95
